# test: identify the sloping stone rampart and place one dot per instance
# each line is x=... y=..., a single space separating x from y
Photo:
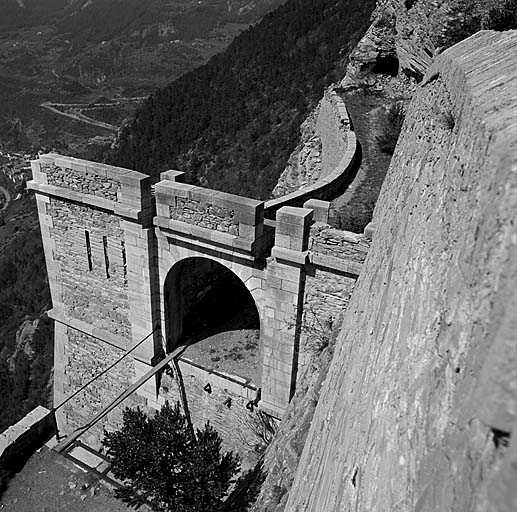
x=418 y=412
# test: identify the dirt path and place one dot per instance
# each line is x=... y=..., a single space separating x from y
x=353 y=209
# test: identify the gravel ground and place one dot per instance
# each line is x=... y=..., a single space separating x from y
x=49 y=482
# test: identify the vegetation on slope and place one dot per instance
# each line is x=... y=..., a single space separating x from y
x=232 y=123
x=468 y=17
x=26 y=333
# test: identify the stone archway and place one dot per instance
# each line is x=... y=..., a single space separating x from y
x=210 y=309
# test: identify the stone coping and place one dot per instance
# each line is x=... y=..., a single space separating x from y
x=324 y=187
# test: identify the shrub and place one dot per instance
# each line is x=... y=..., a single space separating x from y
x=163 y=463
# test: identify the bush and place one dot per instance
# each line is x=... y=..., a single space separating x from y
x=163 y=463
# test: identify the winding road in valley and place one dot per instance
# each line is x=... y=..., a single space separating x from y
x=79 y=116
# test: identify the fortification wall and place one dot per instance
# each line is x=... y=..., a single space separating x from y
x=332 y=127
x=418 y=409
x=222 y=401
x=340 y=157
x=90 y=249
x=84 y=357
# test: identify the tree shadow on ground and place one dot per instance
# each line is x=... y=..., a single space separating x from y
x=246 y=490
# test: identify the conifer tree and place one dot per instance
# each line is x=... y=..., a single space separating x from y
x=163 y=463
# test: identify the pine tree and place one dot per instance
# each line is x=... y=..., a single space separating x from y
x=164 y=463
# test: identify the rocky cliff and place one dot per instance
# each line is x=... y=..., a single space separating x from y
x=418 y=409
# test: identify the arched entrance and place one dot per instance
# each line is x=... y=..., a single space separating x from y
x=210 y=309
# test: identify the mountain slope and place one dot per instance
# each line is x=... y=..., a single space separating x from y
x=232 y=123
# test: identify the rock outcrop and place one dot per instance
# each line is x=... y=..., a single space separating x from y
x=418 y=411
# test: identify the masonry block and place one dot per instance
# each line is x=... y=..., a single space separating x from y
x=172 y=175
x=293 y=223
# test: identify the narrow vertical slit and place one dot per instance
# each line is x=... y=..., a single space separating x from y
x=124 y=261
x=88 y=250
x=106 y=259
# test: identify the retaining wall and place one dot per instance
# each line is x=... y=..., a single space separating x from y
x=340 y=158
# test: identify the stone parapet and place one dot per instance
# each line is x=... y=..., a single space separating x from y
x=225 y=220
x=333 y=181
x=122 y=191
x=218 y=211
x=21 y=440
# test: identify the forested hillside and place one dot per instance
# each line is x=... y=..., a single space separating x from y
x=232 y=123
x=26 y=333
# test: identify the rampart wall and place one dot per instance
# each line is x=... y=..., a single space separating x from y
x=418 y=411
x=333 y=128
x=340 y=157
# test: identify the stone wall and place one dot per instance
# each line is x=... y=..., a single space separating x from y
x=205 y=215
x=210 y=210
x=325 y=136
x=223 y=404
x=98 y=251
x=91 y=258
x=21 y=440
x=338 y=243
x=84 y=357
x=304 y=164
x=336 y=258
x=91 y=183
x=418 y=409
x=340 y=154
